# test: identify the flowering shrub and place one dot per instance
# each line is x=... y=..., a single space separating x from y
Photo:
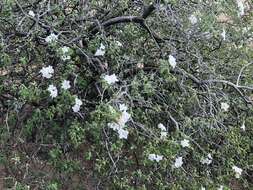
x=126 y=94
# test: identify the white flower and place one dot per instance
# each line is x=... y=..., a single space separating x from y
x=111 y=79
x=77 y=105
x=203 y=188
x=163 y=131
x=238 y=171
x=159 y=158
x=155 y=157
x=51 y=38
x=65 y=49
x=240 y=7
x=243 y=127
x=163 y=134
x=245 y=29
x=162 y=127
x=223 y=34
x=65 y=57
x=31 y=13
x=123 y=107
x=178 y=162
x=65 y=85
x=221 y=187
x=100 y=51
x=76 y=108
x=114 y=126
x=185 y=143
x=152 y=157
x=47 y=72
x=172 y=61
x=78 y=101
x=123 y=118
x=122 y=133
x=140 y=65
x=120 y=124
x=225 y=106
x=208 y=160
x=193 y=19
x=119 y=44
x=53 y=91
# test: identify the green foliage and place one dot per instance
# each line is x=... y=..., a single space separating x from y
x=76 y=133
x=53 y=186
x=98 y=132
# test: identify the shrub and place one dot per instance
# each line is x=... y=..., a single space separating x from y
x=126 y=94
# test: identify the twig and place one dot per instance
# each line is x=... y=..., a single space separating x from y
x=240 y=74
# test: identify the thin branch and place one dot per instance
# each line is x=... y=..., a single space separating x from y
x=240 y=74
x=128 y=19
x=117 y=20
x=236 y=87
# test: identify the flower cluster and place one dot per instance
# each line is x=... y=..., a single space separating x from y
x=223 y=34
x=120 y=123
x=208 y=160
x=119 y=44
x=51 y=38
x=100 y=51
x=47 y=72
x=163 y=134
x=185 y=143
x=178 y=162
x=172 y=61
x=53 y=90
x=193 y=19
x=225 y=106
x=31 y=13
x=65 y=85
x=110 y=79
x=78 y=103
x=241 y=7
x=65 y=53
x=155 y=157
x=238 y=171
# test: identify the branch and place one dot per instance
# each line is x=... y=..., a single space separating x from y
x=116 y=20
x=125 y=19
x=236 y=87
x=201 y=82
x=239 y=76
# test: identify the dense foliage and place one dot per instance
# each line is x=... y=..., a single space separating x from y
x=121 y=94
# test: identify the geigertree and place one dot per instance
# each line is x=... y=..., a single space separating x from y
x=126 y=94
